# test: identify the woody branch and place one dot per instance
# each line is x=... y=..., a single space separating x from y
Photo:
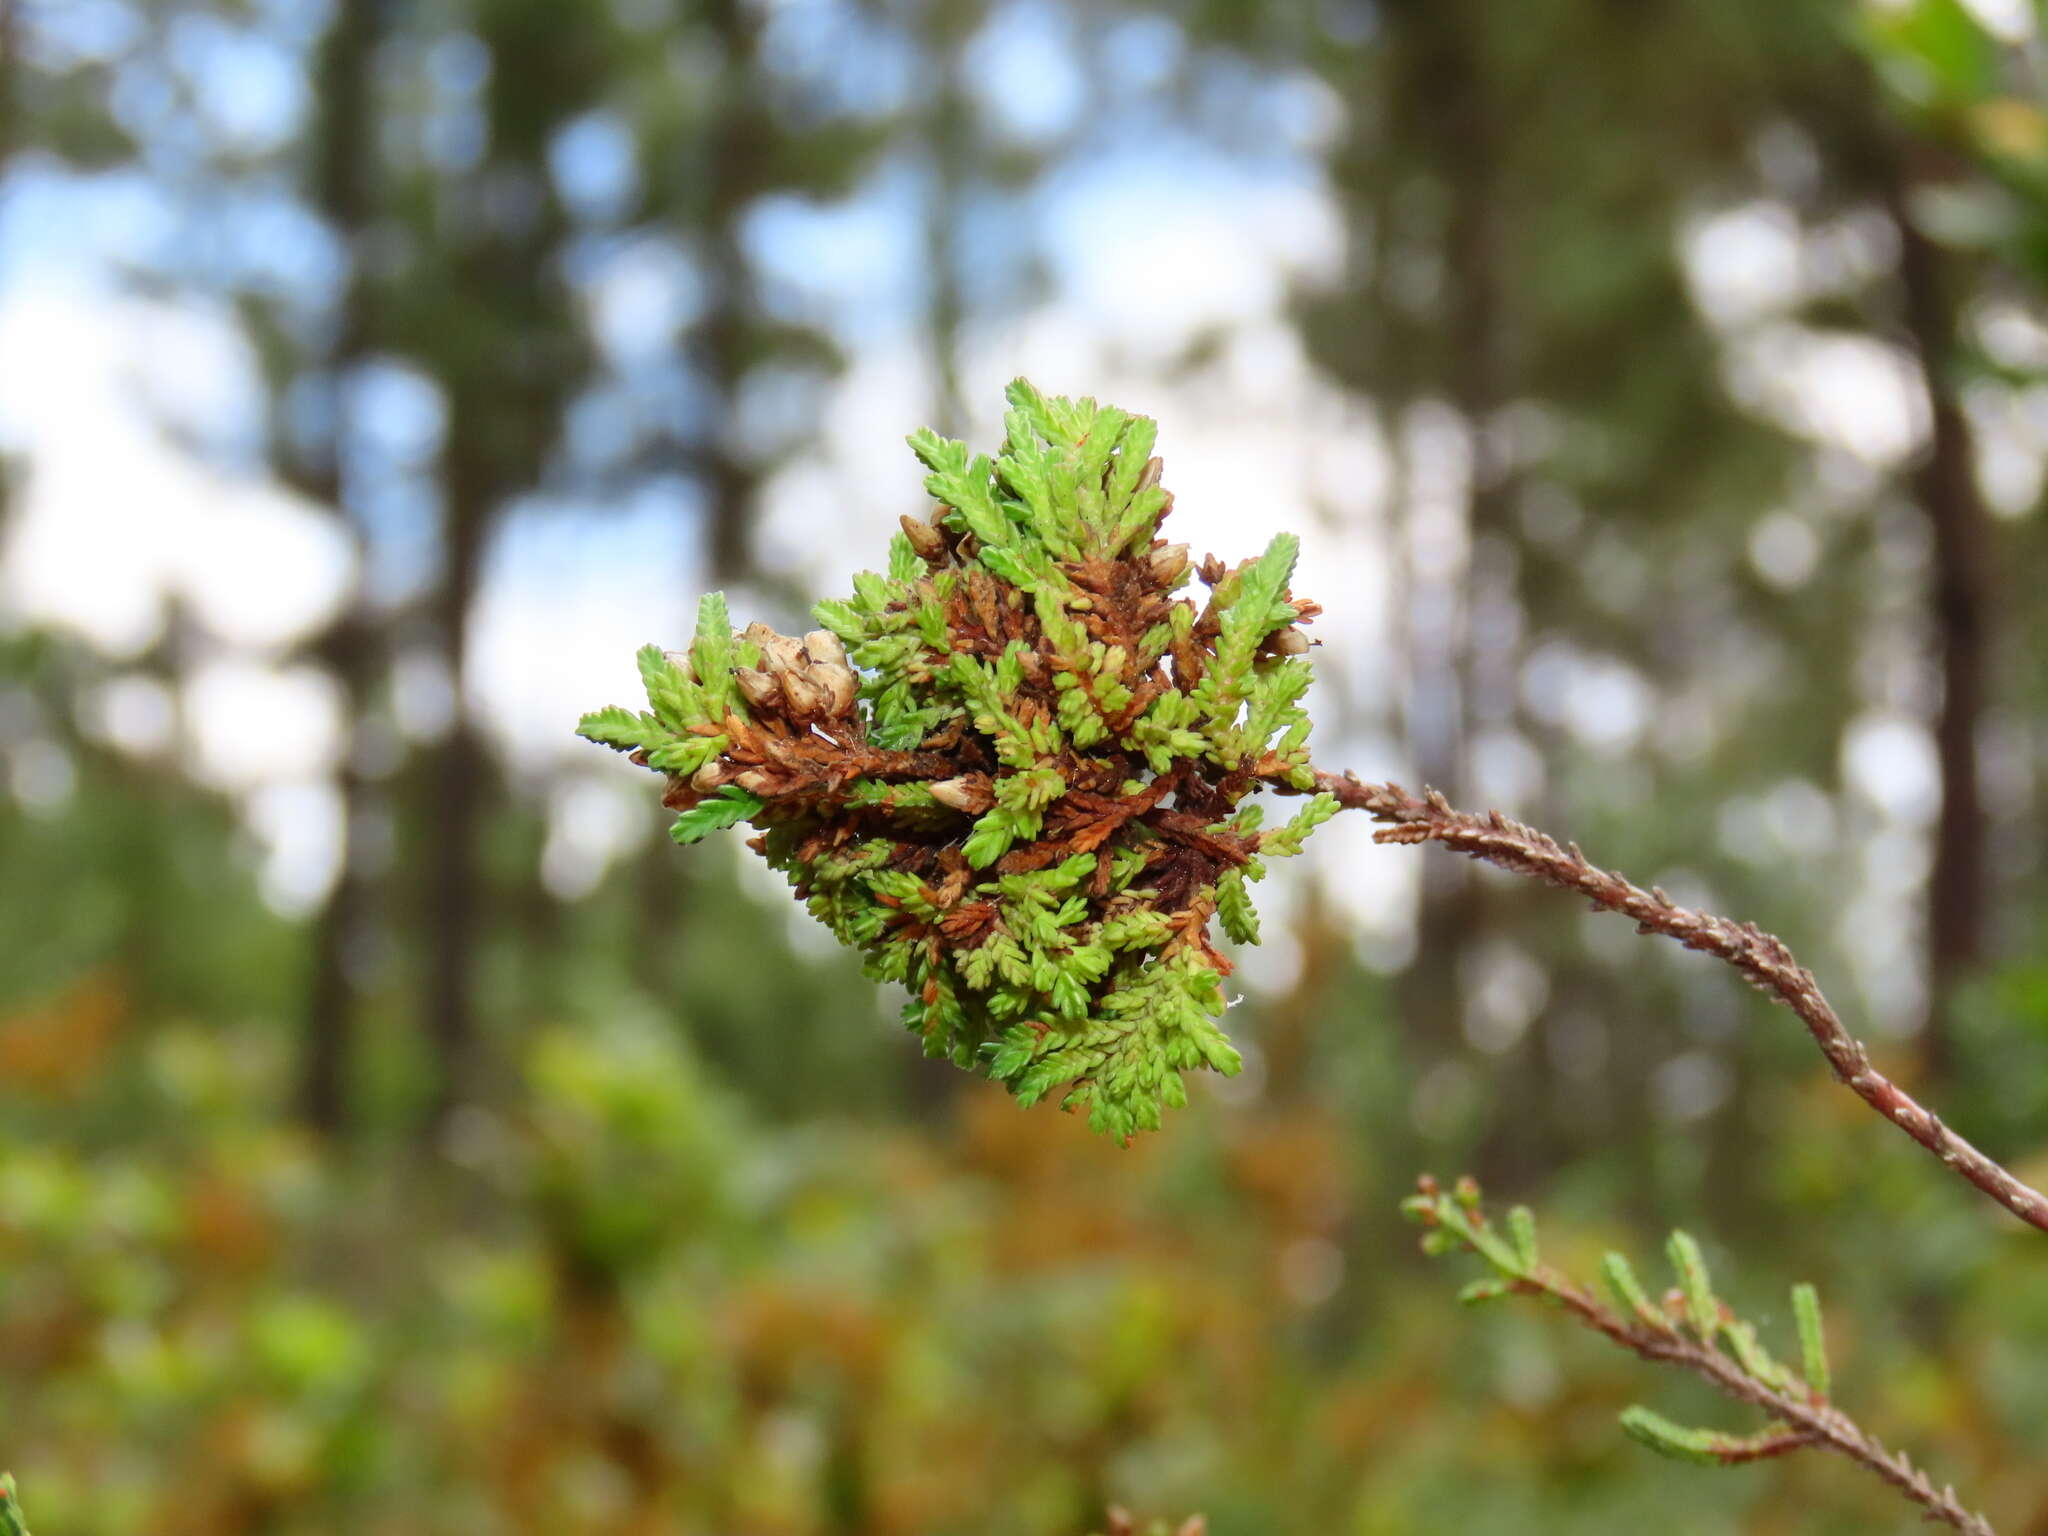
x=1761 y=957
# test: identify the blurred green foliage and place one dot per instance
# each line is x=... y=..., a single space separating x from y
x=634 y=1298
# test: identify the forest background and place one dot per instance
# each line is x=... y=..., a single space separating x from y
x=398 y=1134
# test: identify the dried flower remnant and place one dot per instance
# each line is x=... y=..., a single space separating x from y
x=1013 y=771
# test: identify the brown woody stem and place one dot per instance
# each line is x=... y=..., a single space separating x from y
x=1761 y=957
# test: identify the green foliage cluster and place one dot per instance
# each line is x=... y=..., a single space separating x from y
x=647 y=1293
x=1012 y=770
x=1688 y=1314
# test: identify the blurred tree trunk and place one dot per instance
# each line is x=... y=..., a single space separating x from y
x=728 y=176
x=1456 y=916
x=460 y=774
x=344 y=190
x=10 y=134
x=732 y=148
x=735 y=174
x=1867 y=151
x=950 y=148
x=946 y=128
x=744 y=148
x=1448 y=109
x=10 y=52
x=1963 y=622
x=495 y=320
x=1288 y=1027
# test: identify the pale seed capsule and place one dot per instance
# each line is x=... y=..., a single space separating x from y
x=823 y=646
x=841 y=688
x=1289 y=642
x=807 y=699
x=782 y=655
x=757 y=687
x=710 y=777
x=967 y=793
x=1168 y=562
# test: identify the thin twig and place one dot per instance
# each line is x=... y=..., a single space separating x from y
x=1813 y=1422
x=1685 y=1331
x=1762 y=958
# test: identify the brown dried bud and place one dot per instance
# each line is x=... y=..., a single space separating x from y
x=711 y=776
x=1168 y=562
x=822 y=645
x=757 y=781
x=924 y=538
x=757 y=687
x=1289 y=642
x=970 y=793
